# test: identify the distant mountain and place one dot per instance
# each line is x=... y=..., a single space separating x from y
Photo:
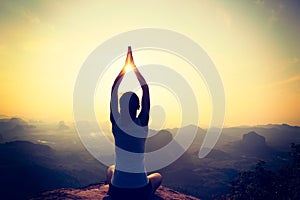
x=188 y=130
x=62 y=126
x=9 y=123
x=252 y=144
x=278 y=136
x=159 y=140
x=218 y=155
x=67 y=163
x=25 y=170
x=255 y=144
x=14 y=129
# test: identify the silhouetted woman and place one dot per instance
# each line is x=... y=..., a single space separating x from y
x=128 y=178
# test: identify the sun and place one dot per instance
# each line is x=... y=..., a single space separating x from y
x=128 y=68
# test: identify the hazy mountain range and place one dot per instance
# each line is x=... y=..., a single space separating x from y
x=37 y=156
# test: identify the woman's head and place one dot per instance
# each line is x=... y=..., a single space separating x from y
x=129 y=104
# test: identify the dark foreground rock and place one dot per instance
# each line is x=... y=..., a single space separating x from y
x=100 y=192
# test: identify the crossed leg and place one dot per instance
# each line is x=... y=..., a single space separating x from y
x=155 y=178
x=109 y=173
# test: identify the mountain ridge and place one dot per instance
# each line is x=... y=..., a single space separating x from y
x=55 y=157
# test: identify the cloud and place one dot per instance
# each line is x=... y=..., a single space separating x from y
x=225 y=17
x=294 y=60
x=289 y=66
x=2 y=47
x=29 y=16
x=275 y=14
x=259 y=2
x=273 y=18
x=289 y=80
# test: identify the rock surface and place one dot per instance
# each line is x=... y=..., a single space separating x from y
x=99 y=191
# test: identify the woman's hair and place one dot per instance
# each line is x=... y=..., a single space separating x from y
x=129 y=103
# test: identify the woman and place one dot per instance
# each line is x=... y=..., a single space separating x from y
x=133 y=182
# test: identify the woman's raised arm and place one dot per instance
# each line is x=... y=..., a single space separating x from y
x=114 y=105
x=144 y=114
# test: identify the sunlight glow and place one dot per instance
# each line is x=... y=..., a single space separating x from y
x=254 y=46
x=128 y=68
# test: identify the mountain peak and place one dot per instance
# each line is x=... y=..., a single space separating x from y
x=99 y=191
x=254 y=138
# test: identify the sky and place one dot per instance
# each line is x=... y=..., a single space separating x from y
x=254 y=45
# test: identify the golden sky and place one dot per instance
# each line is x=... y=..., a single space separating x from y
x=254 y=45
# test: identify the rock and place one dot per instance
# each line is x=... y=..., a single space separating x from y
x=99 y=191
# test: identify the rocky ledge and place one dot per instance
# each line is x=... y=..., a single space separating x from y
x=99 y=191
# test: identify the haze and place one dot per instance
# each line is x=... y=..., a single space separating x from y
x=254 y=45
